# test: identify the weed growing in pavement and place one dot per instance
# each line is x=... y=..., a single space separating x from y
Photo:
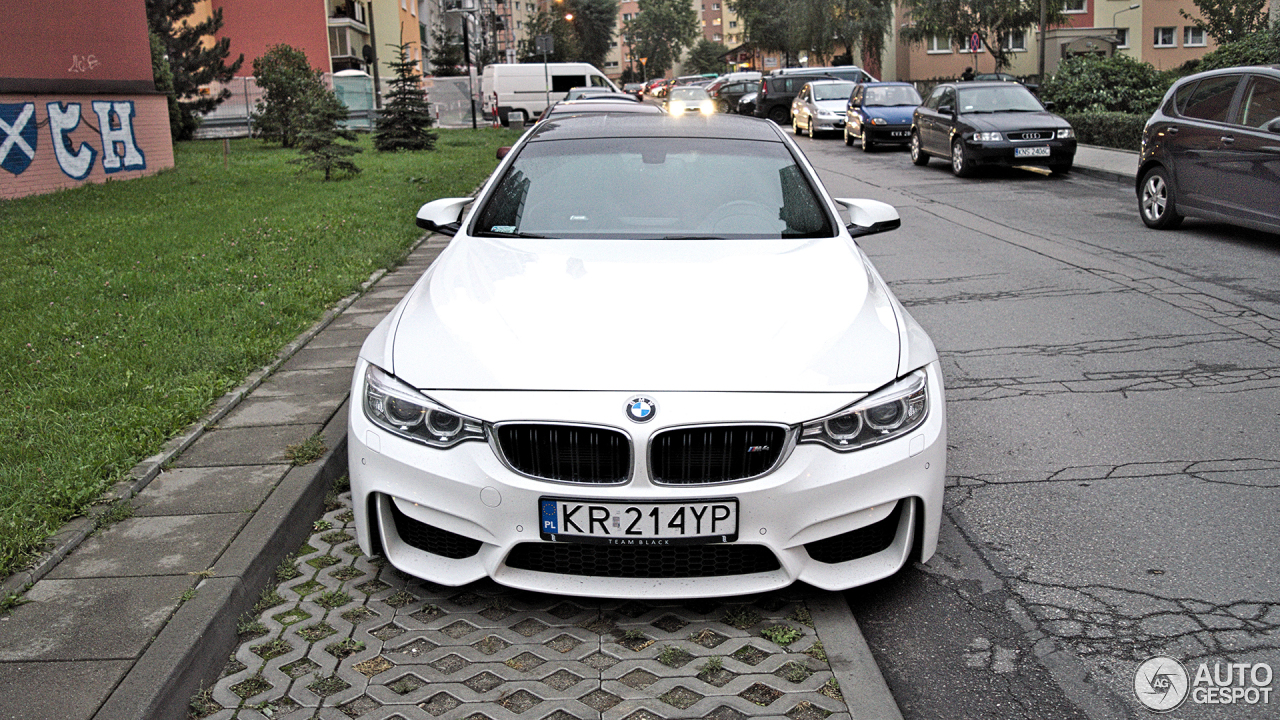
x=816 y=651
x=332 y=599
x=14 y=599
x=307 y=451
x=128 y=308
x=740 y=616
x=672 y=656
x=713 y=664
x=270 y=598
x=832 y=689
x=203 y=705
x=120 y=510
x=344 y=648
x=249 y=626
x=802 y=616
x=782 y=634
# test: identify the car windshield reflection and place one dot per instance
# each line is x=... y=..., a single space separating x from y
x=891 y=97
x=832 y=91
x=691 y=188
x=1012 y=98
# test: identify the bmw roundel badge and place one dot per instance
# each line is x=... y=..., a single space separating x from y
x=641 y=409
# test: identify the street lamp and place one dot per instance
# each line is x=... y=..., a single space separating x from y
x=1134 y=6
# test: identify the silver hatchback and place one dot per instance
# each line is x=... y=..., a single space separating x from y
x=1212 y=150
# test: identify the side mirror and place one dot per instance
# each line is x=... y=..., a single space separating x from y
x=502 y=152
x=1273 y=126
x=1048 y=105
x=868 y=217
x=443 y=216
x=946 y=110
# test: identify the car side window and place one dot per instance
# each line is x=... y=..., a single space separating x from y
x=935 y=98
x=948 y=98
x=1261 y=102
x=1212 y=98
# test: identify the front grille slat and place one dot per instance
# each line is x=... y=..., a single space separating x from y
x=564 y=453
x=707 y=455
x=643 y=562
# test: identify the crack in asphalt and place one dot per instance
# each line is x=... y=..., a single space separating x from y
x=1201 y=377
x=1263 y=473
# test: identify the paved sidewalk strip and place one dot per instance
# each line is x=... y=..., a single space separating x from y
x=353 y=634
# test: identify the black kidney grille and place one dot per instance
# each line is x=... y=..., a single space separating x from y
x=434 y=540
x=858 y=543
x=643 y=562
x=567 y=453
x=692 y=456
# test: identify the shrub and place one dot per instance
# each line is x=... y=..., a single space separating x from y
x=1108 y=129
x=1116 y=84
x=1260 y=48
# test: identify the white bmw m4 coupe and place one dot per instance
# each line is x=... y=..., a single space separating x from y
x=652 y=362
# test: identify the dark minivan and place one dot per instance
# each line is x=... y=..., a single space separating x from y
x=779 y=88
x=1212 y=150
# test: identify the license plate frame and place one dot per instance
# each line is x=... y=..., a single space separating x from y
x=1031 y=152
x=638 y=517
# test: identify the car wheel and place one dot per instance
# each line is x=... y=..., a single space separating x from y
x=1060 y=168
x=1156 y=202
x=778 y=115
x=918 y=155
x=867 y=145
x=722 y=106
x=960 y=165
x=809 y=127
x=848 y=139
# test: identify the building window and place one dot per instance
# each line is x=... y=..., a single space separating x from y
x=715 y=6
x=626 y=17
x=938 y=45
x=717 y=37
x=1165 y=37
x=1016 y=41
x=611 y=64
x=1122 y=37
x=733 y=23
x=716 y=22
x=1192 y=36
x=1075 y=6
x=519 y=25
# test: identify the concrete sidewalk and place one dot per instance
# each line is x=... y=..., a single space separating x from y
x=132 y=620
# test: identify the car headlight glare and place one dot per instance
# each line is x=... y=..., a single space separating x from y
x=1066 y=133
x=706 y=107
x=884 y=415
x=987 y=137
x=403 y=411
x=677 y=107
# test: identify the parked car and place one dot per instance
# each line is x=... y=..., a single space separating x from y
x=880 y=114
x=773 y=100
x=491 y=436
x=1212 y=150
x=747 y=103
x=595 y=106
x=727 y=95
x=688 y=98
x=581 y=92
x=636 y=89
x=521 y=88
x=989 y=123
x=852 y=73
x=819 y=107
x=1006 y=77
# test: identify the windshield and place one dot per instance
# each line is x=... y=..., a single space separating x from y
x=688 y=93
x=832 y=91
x=1008 y=98
x=892 y=95
x=649 y=188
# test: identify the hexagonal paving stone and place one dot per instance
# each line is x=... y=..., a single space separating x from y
x=530 y=627
x=707 y=638
x=427 y=614
x=600 y=661
x=491 y=644
x=406 y=684
x=298 y=668
x=562 y=643
x=524 y=662
x=388 y=631
x=760 y=694
x=600 y=700
x=373 y=666
x=520 y=701
x=638 y=679
x=449 y=664
x=750 y=654
x=360 y=706
x=415 y=649
x=717 y=678
x=458 y=629
x=327 y=685
x=484 y=682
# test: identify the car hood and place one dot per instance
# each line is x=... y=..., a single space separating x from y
x=647 y=315
x=1013 y=120
x=835 y=106
x=893 y=114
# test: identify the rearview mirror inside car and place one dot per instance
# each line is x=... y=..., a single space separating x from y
x=443 y=215
x=868 y=217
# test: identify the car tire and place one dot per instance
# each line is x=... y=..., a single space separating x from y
x=722 y=106
x=778 y=115
x=795 y=125
x=961 y=166
x=918 y=155
x=848 y=139
x=809 y=128
x=867 y=145
x=1060 y=168
x=1156 y=203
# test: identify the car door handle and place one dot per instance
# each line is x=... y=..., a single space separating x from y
x=1171 y=131
x=1227 y=139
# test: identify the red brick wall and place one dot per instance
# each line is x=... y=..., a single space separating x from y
x=254 y=26
x=30 y=167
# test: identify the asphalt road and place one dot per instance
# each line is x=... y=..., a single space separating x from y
x=1114 y=476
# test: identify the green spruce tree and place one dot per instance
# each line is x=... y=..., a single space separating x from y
x=192 y=61
x=321 y=136
x=405 y=120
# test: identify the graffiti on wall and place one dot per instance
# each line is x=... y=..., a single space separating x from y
x=118 y=147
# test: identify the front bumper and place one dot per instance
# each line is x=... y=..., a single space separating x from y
x=458 y=515
x=1061 y=152
x=887 y=134
x=826 y=124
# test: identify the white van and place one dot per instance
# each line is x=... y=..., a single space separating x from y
x=525 y=88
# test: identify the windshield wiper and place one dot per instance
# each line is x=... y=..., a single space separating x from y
x=499 y=233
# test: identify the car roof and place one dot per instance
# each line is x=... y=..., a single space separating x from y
x=603 y=125
x=886 y=83
x=970 y=84
x=603 y=105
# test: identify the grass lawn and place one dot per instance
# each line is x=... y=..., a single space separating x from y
x=127 y=308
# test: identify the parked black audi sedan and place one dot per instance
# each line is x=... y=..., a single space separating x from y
x=989 y=123
x=1212 y=150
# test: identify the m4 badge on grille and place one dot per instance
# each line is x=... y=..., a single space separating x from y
x=758 y=448
x=641 y=409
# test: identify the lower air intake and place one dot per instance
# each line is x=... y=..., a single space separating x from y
x=646 y=562
x=859 y=543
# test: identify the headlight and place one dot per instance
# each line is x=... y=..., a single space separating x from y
x=884 y=415
x=401 y=410
x=1066 y=133
x=987 y=137
x=877 y=121
x=706 y=107
x=677 y=107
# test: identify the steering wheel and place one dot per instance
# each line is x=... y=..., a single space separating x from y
x=740 y=217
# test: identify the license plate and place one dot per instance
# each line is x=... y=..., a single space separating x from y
x=1042 y=151
x=639 y=523
x=898 y=133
